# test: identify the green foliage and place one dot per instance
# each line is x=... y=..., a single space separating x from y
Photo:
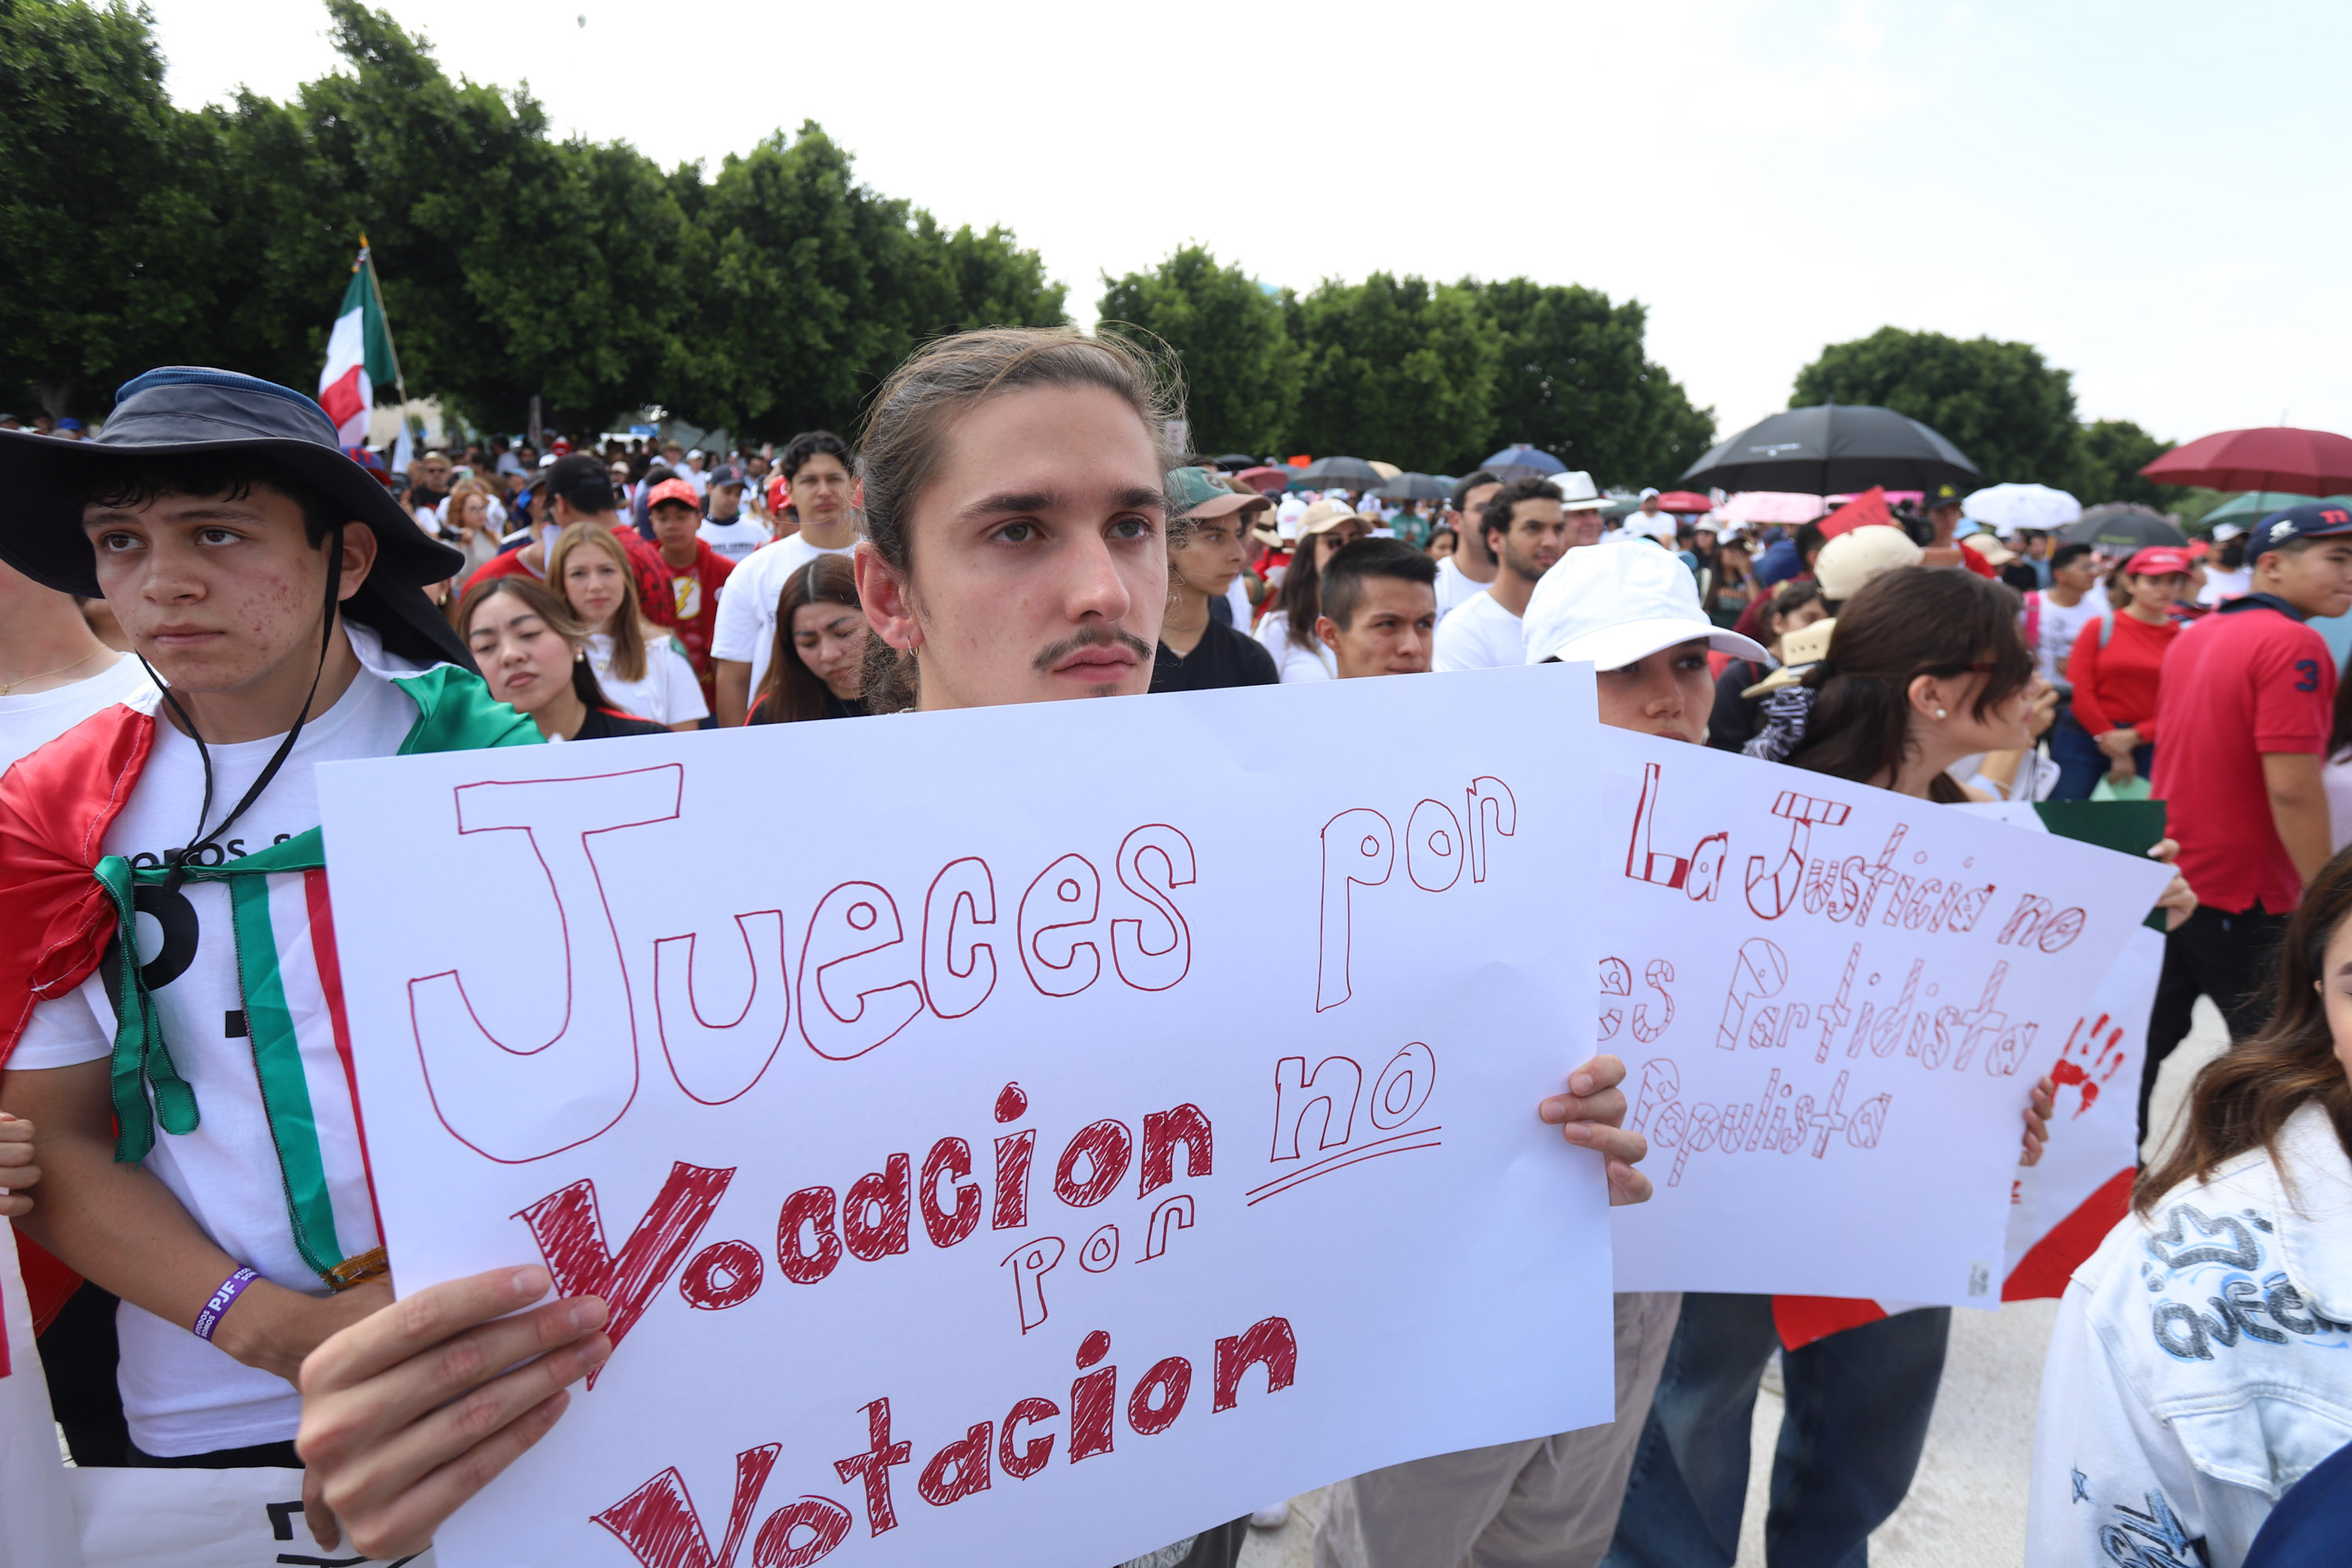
x=1397 y=369
x=2113 y=452
x=1573 y=380
x=2009 y=412
x=131 y=234
x=99 y=258
x=1241 y=370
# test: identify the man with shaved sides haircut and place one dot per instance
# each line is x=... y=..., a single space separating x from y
x=1379 y=609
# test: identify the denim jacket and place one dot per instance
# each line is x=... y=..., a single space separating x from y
x=2202 y=1362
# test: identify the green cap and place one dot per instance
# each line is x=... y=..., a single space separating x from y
x=1197 y=492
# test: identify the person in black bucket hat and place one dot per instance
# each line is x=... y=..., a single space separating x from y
x=257 y=429
x=274 y=591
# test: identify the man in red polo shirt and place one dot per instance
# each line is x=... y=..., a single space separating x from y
x=694 y=571
x=2245 y=702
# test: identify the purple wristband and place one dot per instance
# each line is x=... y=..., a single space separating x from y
x=230 y=1289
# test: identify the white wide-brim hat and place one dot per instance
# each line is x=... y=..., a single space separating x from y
x=1617 y=602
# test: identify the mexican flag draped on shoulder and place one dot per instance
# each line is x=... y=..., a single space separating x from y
x=167 y=910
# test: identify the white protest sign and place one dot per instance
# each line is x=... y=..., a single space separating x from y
x=36 y=1526
x=2064 y=1208
x=1027 y=1136
x=1833 y=1001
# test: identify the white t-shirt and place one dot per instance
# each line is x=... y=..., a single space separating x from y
x=1454 y=589
x=747 y=610
x=736 y=538
x=36 y=719
x=2336 y=779
x=183 y=1395
x=2060 y=627
x=1294 y=661
x=1238 y=597
x=1480 y=634
x=2221 y=586
x=669 y=693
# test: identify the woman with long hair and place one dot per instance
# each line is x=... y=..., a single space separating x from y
x=637 y=665
x=2203 y=1360
x=533 y=654
x=1287 y=629
x=816 y=669
x=472 y=518
x=1731 y=583
x=1925 y=666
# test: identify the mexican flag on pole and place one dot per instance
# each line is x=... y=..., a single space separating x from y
x=358 y=355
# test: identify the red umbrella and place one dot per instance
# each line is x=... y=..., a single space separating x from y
x=1266 y=480
x=1684 y=501
x=2274 y=457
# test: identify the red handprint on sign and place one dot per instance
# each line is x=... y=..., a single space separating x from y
x=2095 y=1053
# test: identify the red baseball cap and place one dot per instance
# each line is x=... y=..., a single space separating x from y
x=2157 y=561
x=677 y=490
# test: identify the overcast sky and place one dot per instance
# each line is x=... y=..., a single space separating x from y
x=2152 y=193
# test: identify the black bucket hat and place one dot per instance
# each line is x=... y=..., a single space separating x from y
x=187 y=409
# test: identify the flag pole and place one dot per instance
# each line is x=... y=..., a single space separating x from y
x=375 y=281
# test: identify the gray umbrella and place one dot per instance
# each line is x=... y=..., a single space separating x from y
x=1337 y=473
x=1414 y=487
x=1830 y=449
x=2120 y=528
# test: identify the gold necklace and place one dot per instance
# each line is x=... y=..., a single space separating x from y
x=8 y=686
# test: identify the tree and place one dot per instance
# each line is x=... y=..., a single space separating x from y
x=1573 y=380
x=108 y=256
x=1242 y=371
x=2113 y=452
x=514 y=265
x=2008 y=412
x=1396 y=369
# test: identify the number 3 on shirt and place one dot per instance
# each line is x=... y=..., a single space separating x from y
x=2309 y=669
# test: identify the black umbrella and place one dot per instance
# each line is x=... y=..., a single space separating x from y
x=2121 y=528
x=1414 y=487
x=1830 y=449
x=1235 y=462
x=1337 y=473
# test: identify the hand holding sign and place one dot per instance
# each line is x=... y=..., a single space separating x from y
x=410 y=1412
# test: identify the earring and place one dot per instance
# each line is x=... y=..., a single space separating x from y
x=1940 y=712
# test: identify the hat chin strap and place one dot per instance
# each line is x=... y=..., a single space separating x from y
x=178 y=860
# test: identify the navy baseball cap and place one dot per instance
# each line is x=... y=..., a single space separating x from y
x=2312 y=520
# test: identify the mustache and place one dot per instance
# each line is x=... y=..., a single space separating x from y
x=1093 y=636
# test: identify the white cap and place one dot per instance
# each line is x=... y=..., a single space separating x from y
x=1647 y=491
x=2225 y=532
x=1617 y=603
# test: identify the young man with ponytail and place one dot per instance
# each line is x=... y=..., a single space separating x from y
x=1015 y=550
x=197 y=1138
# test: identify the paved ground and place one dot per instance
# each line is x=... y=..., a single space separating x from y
x=1967 y=1508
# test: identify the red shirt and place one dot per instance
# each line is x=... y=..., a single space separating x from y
x=2115 y=686
x=2246 y=680
x=652 y=573
x=691 y=595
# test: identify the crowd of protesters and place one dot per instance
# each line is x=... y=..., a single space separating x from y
x=283 y=606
